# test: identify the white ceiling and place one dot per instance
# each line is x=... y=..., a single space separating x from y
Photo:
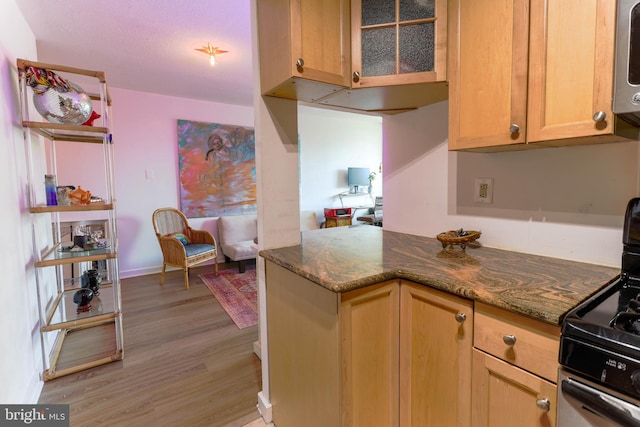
x=149 y=45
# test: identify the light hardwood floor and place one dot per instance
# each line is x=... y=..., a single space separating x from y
x=185 y=362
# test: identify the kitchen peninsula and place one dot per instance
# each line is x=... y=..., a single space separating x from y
x=372 y=327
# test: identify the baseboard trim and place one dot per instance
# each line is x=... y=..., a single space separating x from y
x=125 y=274
x=264 y=407
x=142 y=272
x=34 y=389
x=257 y=349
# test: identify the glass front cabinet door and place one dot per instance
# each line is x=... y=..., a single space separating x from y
x=398 y=42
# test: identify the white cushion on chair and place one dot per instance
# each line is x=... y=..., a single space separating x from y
x=237 y=234
x=240 y=250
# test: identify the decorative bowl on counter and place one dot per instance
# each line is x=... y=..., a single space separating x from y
x=459 y=237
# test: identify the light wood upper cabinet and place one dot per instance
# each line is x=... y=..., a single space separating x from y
x=527 y=73
x=304 y=47
x=398 y=42
x=399 y=51
x=436 y=333
x=571 y=53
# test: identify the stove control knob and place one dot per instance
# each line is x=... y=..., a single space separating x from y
x=635 y=380
x=509 y=340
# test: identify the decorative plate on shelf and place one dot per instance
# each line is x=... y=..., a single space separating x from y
x=458 y=238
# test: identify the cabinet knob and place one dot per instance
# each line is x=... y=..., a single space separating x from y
x=461 y=317
x=509 y=340
x=356 y=76
x=600 y=116
x=514 y=128
x=544 y=404
x=300 y=64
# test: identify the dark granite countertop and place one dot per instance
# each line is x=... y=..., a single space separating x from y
x=345 y=258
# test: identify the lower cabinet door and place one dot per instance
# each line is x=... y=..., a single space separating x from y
x=369 y=323
x=436 y=331
x=505 y=395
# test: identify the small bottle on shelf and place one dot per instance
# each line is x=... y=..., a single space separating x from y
x=50 y=190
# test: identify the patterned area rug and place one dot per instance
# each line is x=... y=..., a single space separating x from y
x=237 y=293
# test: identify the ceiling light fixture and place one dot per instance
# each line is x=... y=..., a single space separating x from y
x=212 y=52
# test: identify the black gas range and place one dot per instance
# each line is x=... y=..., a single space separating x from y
x=599 y=381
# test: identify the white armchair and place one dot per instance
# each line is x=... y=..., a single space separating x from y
x=237 y=235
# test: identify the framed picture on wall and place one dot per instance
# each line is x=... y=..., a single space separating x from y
x=217 y=169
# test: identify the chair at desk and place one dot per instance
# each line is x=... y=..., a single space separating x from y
x=375 y=214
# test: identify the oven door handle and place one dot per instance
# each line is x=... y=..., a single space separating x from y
x=593 y=402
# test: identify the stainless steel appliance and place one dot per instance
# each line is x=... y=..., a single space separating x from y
x=599 y=383
x=584 y=403
x=626 y=93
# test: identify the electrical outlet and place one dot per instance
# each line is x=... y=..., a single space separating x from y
x=483 y=191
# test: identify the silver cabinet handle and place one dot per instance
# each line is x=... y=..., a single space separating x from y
x=356 y=76
x=544 y=404
x=509 y=340
x=461 y=317
x=600 y=116
x=300 y=64
x=514 y=128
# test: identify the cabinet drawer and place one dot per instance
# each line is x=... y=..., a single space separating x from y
x=338 y=221
x=534 y=347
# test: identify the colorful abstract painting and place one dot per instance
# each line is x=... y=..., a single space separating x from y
x=217 y=169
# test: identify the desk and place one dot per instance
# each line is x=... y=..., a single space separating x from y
x=346 y=194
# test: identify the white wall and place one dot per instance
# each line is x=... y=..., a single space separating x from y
x=330 y=142
x=20 y=361
x=562 y=202
x=145 y=141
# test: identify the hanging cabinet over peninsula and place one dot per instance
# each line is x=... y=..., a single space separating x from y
x=304 y=48
x=399 y=56
x=531 y=73
x=97 y=325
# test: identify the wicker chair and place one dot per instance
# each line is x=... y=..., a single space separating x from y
x=181 y=245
